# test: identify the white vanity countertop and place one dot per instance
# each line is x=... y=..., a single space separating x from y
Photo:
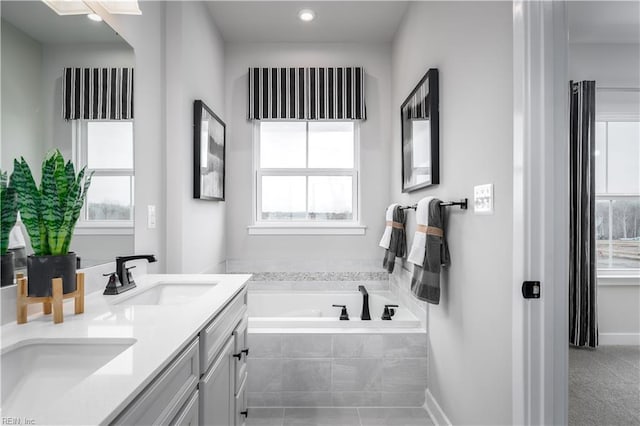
x=160 y=332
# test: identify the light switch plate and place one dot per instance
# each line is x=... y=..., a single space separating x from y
x=151 y=216
x=483 y=199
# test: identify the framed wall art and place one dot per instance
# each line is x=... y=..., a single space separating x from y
x=209 y=138
x=421 y=134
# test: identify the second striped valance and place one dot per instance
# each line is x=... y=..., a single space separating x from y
x=97 y=94
x=327 y=93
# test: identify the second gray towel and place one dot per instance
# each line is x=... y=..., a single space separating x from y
x=425 y=283
x=398 y=243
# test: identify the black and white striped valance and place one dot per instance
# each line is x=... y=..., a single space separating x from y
x=97 y=93
x=332 y=93
x=277 y=93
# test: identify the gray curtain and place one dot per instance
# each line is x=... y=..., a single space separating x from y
x=583 y=314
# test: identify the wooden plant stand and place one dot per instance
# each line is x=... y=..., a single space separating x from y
x=50 y=303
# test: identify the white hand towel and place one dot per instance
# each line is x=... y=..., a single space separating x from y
x=16 y=238
x=419 y=244
x=386 y=237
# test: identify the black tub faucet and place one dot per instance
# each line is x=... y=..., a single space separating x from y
x=122 y=280
x=344 y=315
x=365 y=316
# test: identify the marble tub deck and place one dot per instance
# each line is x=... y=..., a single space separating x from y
x=338 y=416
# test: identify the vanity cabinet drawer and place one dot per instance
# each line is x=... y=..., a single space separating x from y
x=214 y=335
x=188 y=414
x=160 y=402
x=216 y=390
x=241 y=349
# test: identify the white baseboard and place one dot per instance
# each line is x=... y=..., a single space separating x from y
x=627 y=339
x=438 y=417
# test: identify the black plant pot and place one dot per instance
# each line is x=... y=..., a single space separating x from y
x=7 y=269
x=42 y=269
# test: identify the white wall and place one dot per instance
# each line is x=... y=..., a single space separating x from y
x=22 y=113
x=612 y=65
x=470 y=330
x=374 y=152
x=194 y=63
x=99 y=249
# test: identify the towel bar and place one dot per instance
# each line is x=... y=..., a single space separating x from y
x=462 y=203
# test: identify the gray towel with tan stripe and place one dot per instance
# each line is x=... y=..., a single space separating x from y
x=398 y=240
x=425 y=283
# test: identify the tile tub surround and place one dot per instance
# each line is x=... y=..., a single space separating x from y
x=400 y=286
x=312 y=281
x=312 y=275
x=337 y=370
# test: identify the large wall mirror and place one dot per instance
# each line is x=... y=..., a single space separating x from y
x=37 y=46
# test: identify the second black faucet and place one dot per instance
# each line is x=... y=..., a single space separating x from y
x=365 y=316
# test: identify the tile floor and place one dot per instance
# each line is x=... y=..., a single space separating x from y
x=338 y=416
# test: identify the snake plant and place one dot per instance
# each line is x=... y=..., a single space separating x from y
x=8 y=210
x=51 y=211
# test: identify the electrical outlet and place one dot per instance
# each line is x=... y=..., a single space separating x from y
x=151 y=216
x=483 y=199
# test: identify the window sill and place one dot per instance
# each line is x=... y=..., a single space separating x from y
x=610 y=278
x=306 y=229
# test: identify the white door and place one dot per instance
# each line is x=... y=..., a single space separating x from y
x=541 y=199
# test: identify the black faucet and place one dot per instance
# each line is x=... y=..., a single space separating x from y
x=365 y=304
x=344 y=315
x=122 y=280
x=389 y=311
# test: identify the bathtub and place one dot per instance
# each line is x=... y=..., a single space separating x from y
x=302 y=355
x=303 y=309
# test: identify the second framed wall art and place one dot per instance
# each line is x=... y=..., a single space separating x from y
x=420 y=135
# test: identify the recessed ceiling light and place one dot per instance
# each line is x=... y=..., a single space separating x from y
x=94 y=17
x=306 y=15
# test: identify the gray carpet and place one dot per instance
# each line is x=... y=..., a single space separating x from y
x=604 y=386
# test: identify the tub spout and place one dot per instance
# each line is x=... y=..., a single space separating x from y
x=365 y=316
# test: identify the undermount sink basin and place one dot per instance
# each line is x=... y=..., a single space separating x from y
x=44 y=369
x=168 y=293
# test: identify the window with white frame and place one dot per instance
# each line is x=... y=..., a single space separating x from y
x=106 y=149
x=306 y=172
x=618 y=195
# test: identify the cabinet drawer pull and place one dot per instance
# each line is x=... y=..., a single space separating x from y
x=245 y=351
x=245 y=412
x=238 y=355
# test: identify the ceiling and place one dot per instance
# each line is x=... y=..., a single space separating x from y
x=336 y=21
x=604 y=21
x=41 y=23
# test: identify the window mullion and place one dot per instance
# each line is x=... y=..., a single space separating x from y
x=606 y=157
x=610 y=251
x=306 y=198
